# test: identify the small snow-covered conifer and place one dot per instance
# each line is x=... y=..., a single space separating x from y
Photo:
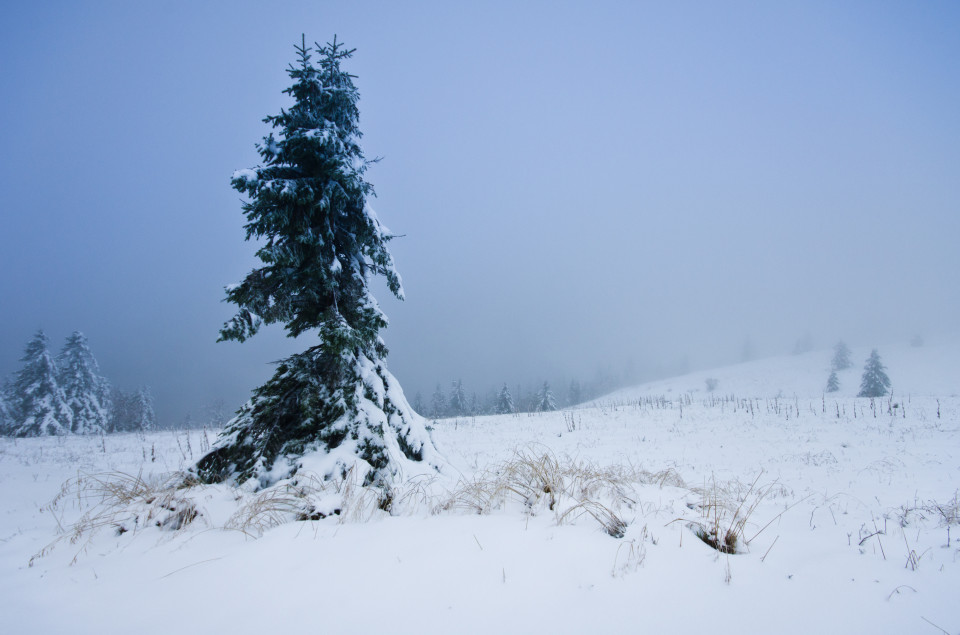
x=874 y=382
x=833 y=383
x=438 y=404
x=457 y=406
x=320 y=244
x=120 y=411
x=545 y=399
x=841 y=357
x=144 y=416
x=86 y=391
x=132 y=411
x=41 y=407
x=504 y=401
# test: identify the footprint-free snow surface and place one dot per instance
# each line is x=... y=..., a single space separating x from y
x=762 y=506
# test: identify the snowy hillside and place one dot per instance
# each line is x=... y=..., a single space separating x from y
x=832 y=514
x=932 y=369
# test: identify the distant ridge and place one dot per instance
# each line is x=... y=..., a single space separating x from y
x=931 y=370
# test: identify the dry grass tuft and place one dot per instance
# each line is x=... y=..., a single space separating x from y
x=949 y=512
x=271 y=508
x=534 y=479
x=123 y=503
x=725 y=511
x=630 y=555
x=538 y=480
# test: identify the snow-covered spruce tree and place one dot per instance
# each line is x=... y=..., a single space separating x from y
x=504 y=401
x=575 y=394
x=142 y=416
x=874 y=382
x=40 y=405
x=833 y=382
x=334 y=405
x=86 y=391
x=129 y=410
x=841 y=357
x=438 y=404
x=545 y=399
x=120 y=411
x=457 y=406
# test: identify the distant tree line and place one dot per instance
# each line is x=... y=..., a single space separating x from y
x=67 y=394
x=457 y=402
x=212 y=415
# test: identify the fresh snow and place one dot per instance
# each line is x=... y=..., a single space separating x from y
x=817 y=563
x=246 y=174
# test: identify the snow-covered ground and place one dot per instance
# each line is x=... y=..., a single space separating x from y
x=845 y=511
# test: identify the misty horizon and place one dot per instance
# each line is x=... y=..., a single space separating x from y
x=628 y=190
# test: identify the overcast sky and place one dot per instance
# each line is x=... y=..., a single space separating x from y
x=579 y=186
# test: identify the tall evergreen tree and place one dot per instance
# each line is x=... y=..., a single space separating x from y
x=505 y=401
x=457 y=406
x=321 y=242
x=86 y=391
x=833 y=382
x=874 y=382
x=841 y=357
x=545 y=399
x=576 y=393
x=40 y=405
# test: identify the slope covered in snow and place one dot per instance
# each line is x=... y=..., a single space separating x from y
x=931 y=369
x=844 y=515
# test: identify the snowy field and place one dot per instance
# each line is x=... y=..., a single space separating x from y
x=843 y=516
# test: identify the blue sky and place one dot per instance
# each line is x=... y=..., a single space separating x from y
x=579 y=187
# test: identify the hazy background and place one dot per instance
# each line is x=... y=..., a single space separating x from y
x=624 y=188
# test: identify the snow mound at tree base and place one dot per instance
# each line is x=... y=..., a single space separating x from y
x=297 y=421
